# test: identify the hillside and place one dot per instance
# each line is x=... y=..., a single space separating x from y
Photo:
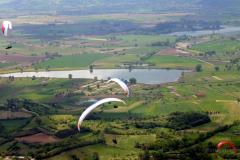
x=205 y=9
x=179 y=60
x=97 y=6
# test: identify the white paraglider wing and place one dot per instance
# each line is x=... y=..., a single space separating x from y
x=122 y=84
x=95 y=105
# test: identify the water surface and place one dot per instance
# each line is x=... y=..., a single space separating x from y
x=224 y=30
x=146 y=76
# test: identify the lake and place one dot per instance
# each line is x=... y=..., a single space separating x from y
x=223 y=30
x=146 y=76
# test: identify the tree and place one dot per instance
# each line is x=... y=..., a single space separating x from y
x=74 y=157
x=198 y=68
x=145 y=155
x=95 y=156
x=132 y=80
x=238 y=100
x=36 y=68
x=1 y=128
x=238 y=68
x=89 y=88
x=47 y=68
x=33 y=77
x=130 y=67
x=38 y=121
x=11 y=78
x=197 y=152
x=216 y=68
x=69 y=76
x=159 y=155
x=13 y=104
x=91 y=68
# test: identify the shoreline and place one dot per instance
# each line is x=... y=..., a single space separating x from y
x=175 y=75
x=98 y=68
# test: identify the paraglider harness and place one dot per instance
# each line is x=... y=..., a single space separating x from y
x=9 y=46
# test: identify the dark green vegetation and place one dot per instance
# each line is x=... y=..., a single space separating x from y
x=170 y=121
x=185 y=25
x=101 y=27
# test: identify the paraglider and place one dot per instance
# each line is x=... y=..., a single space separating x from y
x=6 y=26
x=95 y=105
x=122 y=84
x=227 y=143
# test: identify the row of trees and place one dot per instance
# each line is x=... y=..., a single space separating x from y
x=228 y=67
x=171 y=146
x=15 y=104
x=176 y=121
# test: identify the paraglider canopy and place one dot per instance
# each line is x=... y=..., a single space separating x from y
x=6 y=25
x=95 y=105
x=121 y=84
x=227 y=143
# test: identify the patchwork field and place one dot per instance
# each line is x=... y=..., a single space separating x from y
x=174 y=62
x=38 y=138
x=221 y=46
x=74 y=61
x=185 y=119
x=197 y=92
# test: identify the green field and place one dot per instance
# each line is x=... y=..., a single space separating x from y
x=221 y=46
x=217 y=91
x=12 y=125
x=144 y=40
x=114 y=61
x=125 y=148
x=3 y=65
x=174 y=62
x=74 y=61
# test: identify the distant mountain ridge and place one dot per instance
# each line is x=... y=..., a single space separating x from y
x=206 y=8
x=101 y=5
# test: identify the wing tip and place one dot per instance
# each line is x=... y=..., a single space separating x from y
x=78 y=127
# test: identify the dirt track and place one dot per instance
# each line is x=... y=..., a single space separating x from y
x=23 y=59
x=14 y=115
x=38 y=138
x=173 y=52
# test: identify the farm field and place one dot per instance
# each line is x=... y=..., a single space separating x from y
x=112 y=133
x=220 y=46
x=182 y=118
x=75 y=61
x=175 y=62
x=216 y=97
